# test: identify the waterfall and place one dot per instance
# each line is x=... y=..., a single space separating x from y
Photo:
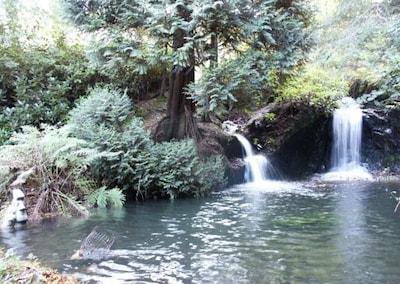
x=347 y=132
x=257 y=166
x=347 y=129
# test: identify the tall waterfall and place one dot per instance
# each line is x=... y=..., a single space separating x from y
x=257 y=166
x=347 y=129
x=347 y=132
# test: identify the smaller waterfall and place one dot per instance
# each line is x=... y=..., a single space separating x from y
x=258 y=168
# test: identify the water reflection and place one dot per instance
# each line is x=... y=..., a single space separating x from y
x=272 y=232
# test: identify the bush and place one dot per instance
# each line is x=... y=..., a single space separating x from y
x=178 y=171
x=50 y=165
x=104 y=120
x=130 y=160
x=41 y=85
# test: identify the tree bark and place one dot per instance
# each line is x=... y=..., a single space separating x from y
x=179 y=122
x=178 y=104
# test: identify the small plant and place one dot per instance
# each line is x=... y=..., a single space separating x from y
x=15 y=270
x=106 y=198
x=270 y=116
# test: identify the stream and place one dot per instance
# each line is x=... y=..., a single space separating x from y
x=270 y=232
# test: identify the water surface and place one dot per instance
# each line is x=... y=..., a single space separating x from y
x=271 y=232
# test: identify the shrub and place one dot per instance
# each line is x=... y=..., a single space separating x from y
x=50 y=166
x=320 y=88
x=178 y=171
x=41 y=85
x=103 y=119
x=130 y=160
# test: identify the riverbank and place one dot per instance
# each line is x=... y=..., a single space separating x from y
x=15 y=270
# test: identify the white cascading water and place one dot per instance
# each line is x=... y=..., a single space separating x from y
x=347 y=129
x=347 y=132
x=256 y=165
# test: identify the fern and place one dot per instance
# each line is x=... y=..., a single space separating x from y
x=178 y=171
x=102 y=107
x=129 y=161
x=98 y=197
x=116 y=198
x=49 y=164
x=107 y=198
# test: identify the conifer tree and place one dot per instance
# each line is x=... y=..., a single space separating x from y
x=181 y=35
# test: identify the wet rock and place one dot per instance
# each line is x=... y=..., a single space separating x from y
x=381 y=139
x=295 y=137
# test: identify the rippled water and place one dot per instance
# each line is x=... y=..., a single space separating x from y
x=266 y=233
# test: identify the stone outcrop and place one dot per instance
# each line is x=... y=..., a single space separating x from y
x=381 y=139
x=294 y=137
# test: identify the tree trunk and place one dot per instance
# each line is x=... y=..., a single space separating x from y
x=213 y=64
x=179 y=122
x=178 y=104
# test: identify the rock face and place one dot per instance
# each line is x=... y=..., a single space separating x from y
x=295 y=137
x=381 y=144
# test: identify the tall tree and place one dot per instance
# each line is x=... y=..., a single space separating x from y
x=184 y=34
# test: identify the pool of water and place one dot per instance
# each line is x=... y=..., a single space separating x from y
x=273 y=232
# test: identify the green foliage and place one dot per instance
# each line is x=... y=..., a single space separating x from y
x=363 y=43
x=262 y=42
x=178 y=171
x=49 y=164
x=360 y=38
x=388 y=88
x=39 y=80
x=319 y=87
x=270 y=116
x=103 y=120
x=14 y=269
x=41 y=85
x=103 y=197
x=130 y=64
x=102 y=107
x=11 y=266
x=245 y=82
x=130 y=160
